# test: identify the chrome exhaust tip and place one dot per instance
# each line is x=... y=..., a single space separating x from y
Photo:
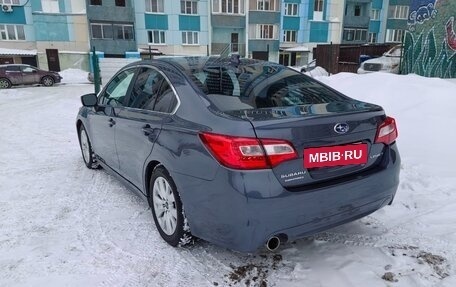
x=273 y=243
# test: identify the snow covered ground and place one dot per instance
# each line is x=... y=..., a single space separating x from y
x=64 y=225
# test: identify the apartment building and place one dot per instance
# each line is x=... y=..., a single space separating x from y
x=111 y=26
x=61 y=34
x=264 y=29
x=229 y=30
x=377 y=21
x=248 y=27
x=17 y=35
x=356 y=21
x=51 y=34
x=172 y=27
x=396 y=20
x=305 y=24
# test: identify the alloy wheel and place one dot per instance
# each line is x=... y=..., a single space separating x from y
x=85 y=146
x=164 y=205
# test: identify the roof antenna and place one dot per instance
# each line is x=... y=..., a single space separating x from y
x=235 y=60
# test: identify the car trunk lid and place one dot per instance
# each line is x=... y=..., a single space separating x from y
x=311 y=127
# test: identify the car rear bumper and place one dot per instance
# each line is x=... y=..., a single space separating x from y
x=241 y=210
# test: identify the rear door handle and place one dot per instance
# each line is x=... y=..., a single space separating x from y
x=112 y=122
x=150 y=132
x=147 y=130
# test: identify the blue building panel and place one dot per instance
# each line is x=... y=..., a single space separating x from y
x=263 y=45
x=159 y=22
x=326 y=10
x=310 y=10
x=15 y=17
x=62 y=7
x=59 y=31
x=377 y=4
x=189 y=23
x=260 y=17
x=374 y=26
x=36 y=6
x=319 y=32
x=290 y=23
x=292 y=1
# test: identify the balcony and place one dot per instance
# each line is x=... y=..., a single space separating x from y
x=231 y=21
x=357 y=22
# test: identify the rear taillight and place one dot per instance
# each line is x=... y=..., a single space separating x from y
x=387 y=131
x=248 y=153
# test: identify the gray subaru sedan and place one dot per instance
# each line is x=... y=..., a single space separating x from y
x=241 y=153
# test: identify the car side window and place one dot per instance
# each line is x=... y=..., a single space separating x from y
x=145 y=89
x=13 y=69
x=116 y=90
x=28 y=69
x=166 y=101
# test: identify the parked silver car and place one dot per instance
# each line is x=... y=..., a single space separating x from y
x=389 y=62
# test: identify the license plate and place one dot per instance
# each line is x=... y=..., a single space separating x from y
x=335 y=155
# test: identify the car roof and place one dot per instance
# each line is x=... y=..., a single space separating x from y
x=186 y=63
x=9 y=65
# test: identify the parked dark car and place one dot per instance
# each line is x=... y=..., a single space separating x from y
x=20 y=74
x=239 y=152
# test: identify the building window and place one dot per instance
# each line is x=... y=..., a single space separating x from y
x=123 y=32
x=189 y=7
x=357 y=10
x=263 y=31
x=394 y=35
x=291 y=9
x=95 y=2
x=12 y=32
x=156 y=37
x=289 y=36
x=50 y=6
x=9 y=2
x=318 y=10
x=154 y=6
x=228 y=6
x=101 y=31
x=355 y=35
x=372 y=38
x=375 y=14
x=266 y=5
x=190 y=38
x=120 y=3
x=318 y=6
x=398 y=12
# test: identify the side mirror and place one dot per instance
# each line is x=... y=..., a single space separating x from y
x=89 y=100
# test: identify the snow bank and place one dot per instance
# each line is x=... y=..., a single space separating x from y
x=317 y=72
x=74 y=76
x=423 y=107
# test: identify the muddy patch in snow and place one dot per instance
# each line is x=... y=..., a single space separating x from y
x=254 y=273
x=437 y=263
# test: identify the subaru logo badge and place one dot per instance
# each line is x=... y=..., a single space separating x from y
x=341 y=128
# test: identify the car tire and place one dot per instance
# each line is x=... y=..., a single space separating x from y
x=5 y=83
x=167 y=209
x=47 y=81
x=86 y=149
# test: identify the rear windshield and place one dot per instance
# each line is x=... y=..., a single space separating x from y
x=255 y=85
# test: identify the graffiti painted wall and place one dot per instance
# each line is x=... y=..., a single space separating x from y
x=430 y=41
